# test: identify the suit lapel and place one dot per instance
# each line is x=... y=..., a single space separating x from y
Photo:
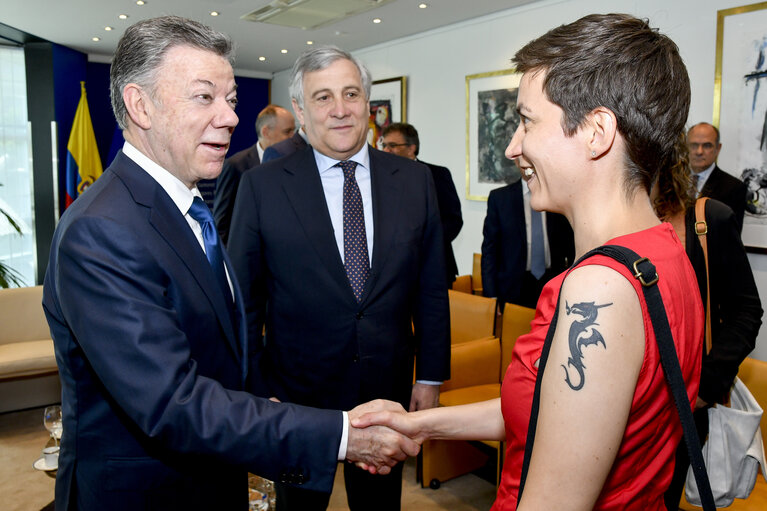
x=168 y=221
x=386 y=210
x=303 y=188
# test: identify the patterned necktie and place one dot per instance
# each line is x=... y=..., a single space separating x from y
x=537 y=254
x=695 y=178
x=200 y=212
x=356 y=261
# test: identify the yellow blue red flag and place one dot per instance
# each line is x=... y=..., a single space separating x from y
x=83 y=161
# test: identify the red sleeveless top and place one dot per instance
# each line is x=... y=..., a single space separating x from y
x=645 y=461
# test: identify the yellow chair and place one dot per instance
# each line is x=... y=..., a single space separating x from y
x=471 y=317
x=477 y=368
x=475 y=376
x=462 y=284
x=476 y=274
x=753 y=373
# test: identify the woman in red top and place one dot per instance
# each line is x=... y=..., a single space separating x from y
x=602 y=102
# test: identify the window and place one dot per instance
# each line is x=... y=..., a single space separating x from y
x=16 y=251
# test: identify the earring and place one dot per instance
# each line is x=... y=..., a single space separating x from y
x=593 y=154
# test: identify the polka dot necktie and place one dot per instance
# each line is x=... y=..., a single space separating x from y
x=200 y=212
x=356 y=261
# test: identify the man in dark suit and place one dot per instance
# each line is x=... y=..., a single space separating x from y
x=507 y=269
x=402 y=139
x=273 y=124
x=286 y=147
x=708 y=178
x=339 y=251
x=147 y=319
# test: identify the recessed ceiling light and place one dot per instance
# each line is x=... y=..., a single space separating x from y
x=140 y=2
x=95 y=39
x=262 y=59
x=376 y=20
x=283 y=51
x=123 y=16
x=214 y=13
x=309 y=42
x=423 y=6
x=108 y=29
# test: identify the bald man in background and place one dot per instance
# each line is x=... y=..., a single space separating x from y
x=273 y=124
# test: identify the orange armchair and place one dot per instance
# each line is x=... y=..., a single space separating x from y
x=477 y=366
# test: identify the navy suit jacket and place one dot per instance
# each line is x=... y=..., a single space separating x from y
x=504 y=248
x=449 y=212
x=727 y=189
x=152 y=365
x=284 y=148
x=226 y=187
x=322 y=348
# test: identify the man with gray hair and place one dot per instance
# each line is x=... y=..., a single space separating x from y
x=273 y=124
x=147 y=318
x=339 y=251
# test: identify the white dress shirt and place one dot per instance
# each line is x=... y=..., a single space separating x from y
x=181 y=196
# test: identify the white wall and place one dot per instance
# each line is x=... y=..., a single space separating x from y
x=437 y=62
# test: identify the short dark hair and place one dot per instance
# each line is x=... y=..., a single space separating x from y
x=716 y=130
x=142 y=48
x=618 y=62
x=408 y=131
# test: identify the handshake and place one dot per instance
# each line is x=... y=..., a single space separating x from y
x=381 y=434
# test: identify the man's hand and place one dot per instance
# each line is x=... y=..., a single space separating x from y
x=424 y=396
x=377 y=448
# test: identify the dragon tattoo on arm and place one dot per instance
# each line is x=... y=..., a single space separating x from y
x=582 y=333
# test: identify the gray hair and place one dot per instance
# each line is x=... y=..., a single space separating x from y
x=142 y=48
x=317 y=59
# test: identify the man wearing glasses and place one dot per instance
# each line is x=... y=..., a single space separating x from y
x=402 y=139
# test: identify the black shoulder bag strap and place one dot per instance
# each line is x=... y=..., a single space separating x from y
x=643 y=270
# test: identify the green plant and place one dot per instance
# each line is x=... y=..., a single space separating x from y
x=8 y=275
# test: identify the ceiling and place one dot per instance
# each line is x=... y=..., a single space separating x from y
x=74 y=23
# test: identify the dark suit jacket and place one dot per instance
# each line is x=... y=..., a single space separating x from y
x=504 y=248
x=226 y=187
x=322 y=348
x=151 y=363
x=449 y=213
x=284 y=148
x=736 y=310
x=727 y=189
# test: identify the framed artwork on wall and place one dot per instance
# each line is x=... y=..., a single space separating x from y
x=388 y=104
x=491 y=120
x=740 y=109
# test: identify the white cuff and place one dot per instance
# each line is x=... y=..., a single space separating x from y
x=344 y=438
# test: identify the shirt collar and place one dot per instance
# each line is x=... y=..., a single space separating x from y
x=325 y=163
x=178 y=192
x=703 y=174
x=261 y=151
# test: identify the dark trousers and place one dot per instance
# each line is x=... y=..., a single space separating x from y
x=364 y=492
x=674 y=493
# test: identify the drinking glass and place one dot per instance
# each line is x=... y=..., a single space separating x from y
x=52 y=422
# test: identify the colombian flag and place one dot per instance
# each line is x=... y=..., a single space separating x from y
x=83 y=161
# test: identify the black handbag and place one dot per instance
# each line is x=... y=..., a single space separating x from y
x=644 y=270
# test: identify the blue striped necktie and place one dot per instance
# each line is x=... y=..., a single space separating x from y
x=200 y=212
x=356 y=260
